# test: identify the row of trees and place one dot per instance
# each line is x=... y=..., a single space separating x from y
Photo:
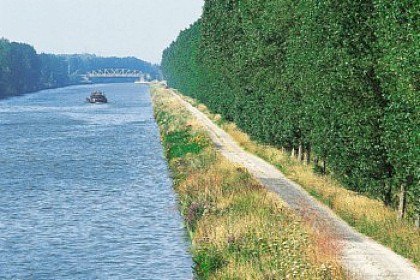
x=23 y=70
x=333 y=81
x=20 y=68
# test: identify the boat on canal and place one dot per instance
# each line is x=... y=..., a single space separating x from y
x=97 y=97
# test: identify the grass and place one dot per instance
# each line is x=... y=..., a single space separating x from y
x=238 y=229
x=369 y=216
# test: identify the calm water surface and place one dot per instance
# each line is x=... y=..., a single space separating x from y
x=84 y=189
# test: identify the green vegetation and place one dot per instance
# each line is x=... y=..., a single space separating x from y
x=332 y=82
x=20 y=68
x=238 y=229
x=180 y=143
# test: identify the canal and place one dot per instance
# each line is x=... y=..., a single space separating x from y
x=85 y=192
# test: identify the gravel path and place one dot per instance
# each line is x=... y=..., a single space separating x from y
x=362 y=257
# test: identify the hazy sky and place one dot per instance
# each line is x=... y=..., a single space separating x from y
x=141 y=28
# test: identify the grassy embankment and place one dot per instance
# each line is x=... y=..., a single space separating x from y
x=238 y=229
x=369 y=216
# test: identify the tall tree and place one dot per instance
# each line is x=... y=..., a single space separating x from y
x=24 y=68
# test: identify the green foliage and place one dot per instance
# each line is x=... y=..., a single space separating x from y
x=338 y=79
x=54 y=71
x=4 y=67
x=180 y=143
x=398 y=47
x=22 y=70
x=19 y=68
x=207 y=260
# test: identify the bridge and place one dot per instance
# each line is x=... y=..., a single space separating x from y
x=115 y=73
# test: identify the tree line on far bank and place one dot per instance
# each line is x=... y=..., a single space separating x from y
x=22 y=70
x=333 y=82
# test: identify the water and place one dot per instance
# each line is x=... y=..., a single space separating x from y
x=84 y=189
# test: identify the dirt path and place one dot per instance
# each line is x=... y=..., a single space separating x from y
x=362 y=257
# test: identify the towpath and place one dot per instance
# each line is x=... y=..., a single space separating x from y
x=362 y=257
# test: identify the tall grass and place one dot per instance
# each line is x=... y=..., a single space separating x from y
x=238 y=229
x=369 y=216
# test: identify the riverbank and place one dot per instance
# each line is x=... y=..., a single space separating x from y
x=238 y=229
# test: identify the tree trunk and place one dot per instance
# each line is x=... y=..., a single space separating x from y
x=417 y=205
x=308 y=156
x=388 y=185
x=388 y=193
x=324 y=166
x=402 y=202
x=316 y=161
x=293 y=152
x=300 y=152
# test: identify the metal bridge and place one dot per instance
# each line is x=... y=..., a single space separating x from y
x=115 y=73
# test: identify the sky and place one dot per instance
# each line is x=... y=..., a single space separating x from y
x=140 y=28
